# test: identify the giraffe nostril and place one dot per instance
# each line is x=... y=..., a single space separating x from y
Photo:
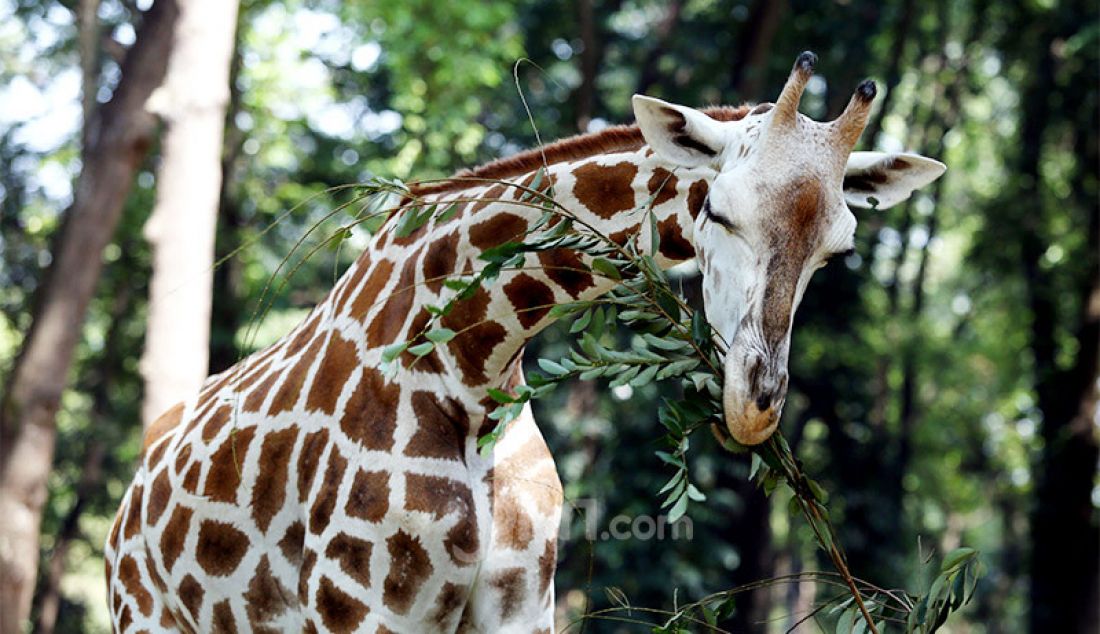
x=763 y=401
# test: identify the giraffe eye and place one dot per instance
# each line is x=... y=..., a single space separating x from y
x=839 y=255
x=709 y=212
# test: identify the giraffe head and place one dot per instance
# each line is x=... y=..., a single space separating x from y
x=777 y=210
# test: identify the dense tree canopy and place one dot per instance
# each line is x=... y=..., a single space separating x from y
x=944 y=376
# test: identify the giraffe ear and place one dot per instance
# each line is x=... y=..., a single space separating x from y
x=683 y=136
x=886 y=177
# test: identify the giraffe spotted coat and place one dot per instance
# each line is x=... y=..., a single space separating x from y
x=303 y=490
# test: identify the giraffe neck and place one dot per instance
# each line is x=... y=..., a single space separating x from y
x=389 y=289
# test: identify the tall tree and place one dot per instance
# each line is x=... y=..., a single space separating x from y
x=122 y=131
x=181 y=230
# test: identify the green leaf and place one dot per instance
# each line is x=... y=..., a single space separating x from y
x=602 y=265
x=956 y=557
x=700 y=330
x=422 y=349
x=671 y=459
x=645 y=376
x=677 y=511
x=673 y=482
x=440 y=335
x=501 y=396
x=846 y=621
x=447 y=214
x=581 y=322
x=819 y=493
x=756 y=464
x=552 y=367
x=391 y=352
x=695 y=494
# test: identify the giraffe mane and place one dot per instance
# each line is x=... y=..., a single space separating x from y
x=619 y=138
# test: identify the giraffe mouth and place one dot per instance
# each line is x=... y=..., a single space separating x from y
x=752 y=426
x=753 y=396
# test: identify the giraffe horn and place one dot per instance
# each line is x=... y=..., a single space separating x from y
x=786 y=107
x=849 y=125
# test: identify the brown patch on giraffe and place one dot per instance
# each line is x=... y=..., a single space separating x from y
x=673 y=244
x=309 y=560
x=661 y=186
x=441 y=497
x=341 y=357
x=250 y=376
x=221 y=415
x=366 y=298
x=183 y=454
x=224 y=622
x=410 y=567
x=166 y=618
x=497 y=229
x=512 y=526
x=266 y=598
x=161 y=426
x=220 y=548
x=622 y=138
x=622 y=237
x=132 y=523
x=697 y=195
x=353 y=554
x=358 y=270
x=448 y=605
x=440 y=260
x=191 y=478
x=339 y=611
x=125 y=619
x=476 y=339
x=159 y=495
x=382 y=629
x=606 y=190
x=291 y=543
x=130 y=576
x=415 y=335
x=191 y=594
x=369 y=498
x=309 y=627
x=294 y=377
x=308 y=456
x=154 y=576
x=488 y=197
x=566 y=269
x=388 y=324
x=226 y=462
x=531 y=298
x=304 y=336
x=324 y=504
x=792 y=236
x=548 y=561
x=370 y=415
x=532 y=467
x=441 y=430
x=510 y=584
x=269 y=491
x=174 y=536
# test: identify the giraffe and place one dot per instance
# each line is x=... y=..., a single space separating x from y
x=306 y=490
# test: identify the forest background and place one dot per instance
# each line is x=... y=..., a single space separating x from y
x=944 y=377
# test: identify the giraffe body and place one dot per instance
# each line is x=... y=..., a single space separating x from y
x=341 y=500
x=304 y=490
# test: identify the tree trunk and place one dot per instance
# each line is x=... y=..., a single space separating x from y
x=1064 y=534
x=123 y=131
x=181 y=229
x=750 y=65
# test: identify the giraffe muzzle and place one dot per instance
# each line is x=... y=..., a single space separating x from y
x=753 y=396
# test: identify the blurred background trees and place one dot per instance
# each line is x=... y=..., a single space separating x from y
x=943 y=378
